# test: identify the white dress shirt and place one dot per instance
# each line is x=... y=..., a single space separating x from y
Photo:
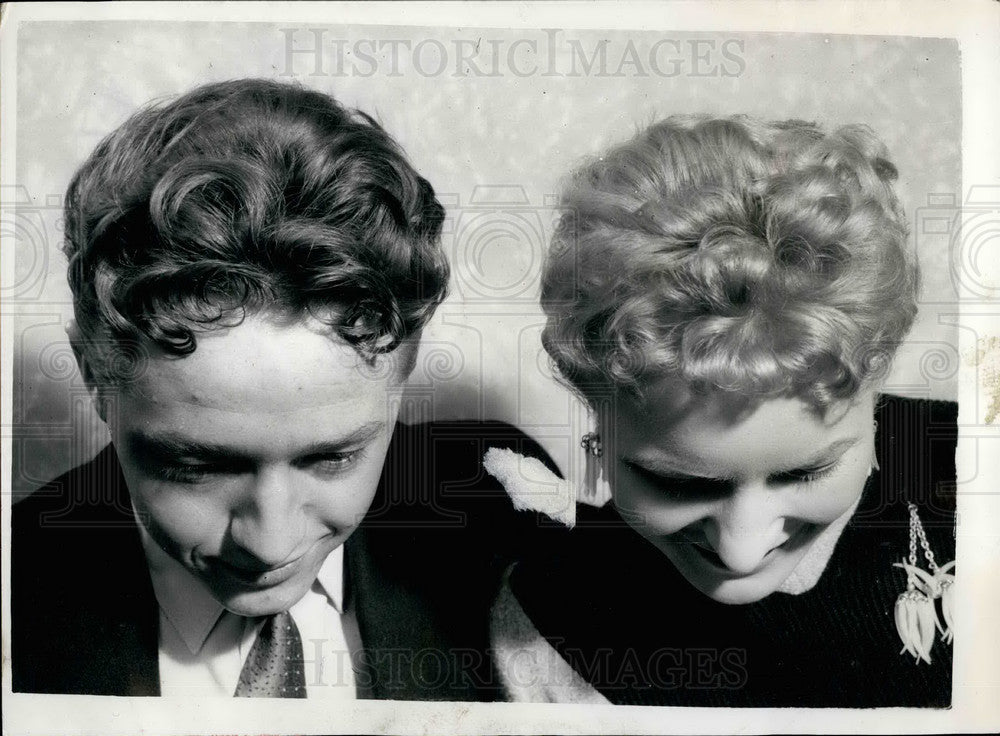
x=203 y=646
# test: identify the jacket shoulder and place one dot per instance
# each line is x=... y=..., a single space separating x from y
x=82 y=607
x=93 y=494
x=435 y=470
x=431 y=552
x=916 y=444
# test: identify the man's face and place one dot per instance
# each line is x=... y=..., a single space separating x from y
x=254 y=457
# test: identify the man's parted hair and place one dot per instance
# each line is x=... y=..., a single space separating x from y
x=758 y=259
x=250 y=196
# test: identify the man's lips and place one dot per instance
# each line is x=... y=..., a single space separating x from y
x=258 y=577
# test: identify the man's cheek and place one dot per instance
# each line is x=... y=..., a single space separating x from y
x=354 y=508
x=351 y=506
x=181 y=523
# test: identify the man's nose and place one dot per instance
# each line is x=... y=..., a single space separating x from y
x=746 y=526
x=267 y=524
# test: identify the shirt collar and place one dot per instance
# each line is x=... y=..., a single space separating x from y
x=190 y=606
x=330 y=579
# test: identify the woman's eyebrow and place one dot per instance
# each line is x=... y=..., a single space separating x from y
x=830 y=453
x=663 y=470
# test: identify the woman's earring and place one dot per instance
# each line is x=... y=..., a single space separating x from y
x=591 y=444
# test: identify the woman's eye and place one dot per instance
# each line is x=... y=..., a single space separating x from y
x=696 y=488
x=683 y=486
x=812 y=477
x=808 y=475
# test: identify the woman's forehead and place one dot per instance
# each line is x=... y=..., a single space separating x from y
x=674 y=416
x=773 y=435
x=668 y=399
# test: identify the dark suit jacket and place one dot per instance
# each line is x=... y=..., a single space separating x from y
x=423 y=569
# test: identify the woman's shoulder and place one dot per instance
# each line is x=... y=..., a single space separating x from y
x=936 y=413
x=916 y=443
x=906 y=420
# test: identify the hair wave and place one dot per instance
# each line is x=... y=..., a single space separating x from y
x=760 y=259
x=252 y=195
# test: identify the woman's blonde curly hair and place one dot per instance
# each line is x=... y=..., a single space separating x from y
x=761 y=259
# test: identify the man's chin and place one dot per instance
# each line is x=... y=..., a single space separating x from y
x=261 y=602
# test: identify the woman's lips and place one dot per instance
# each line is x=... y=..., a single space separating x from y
x=711 y=557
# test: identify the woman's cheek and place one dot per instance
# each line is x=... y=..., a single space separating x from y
x=649 y=510
x=830 y=499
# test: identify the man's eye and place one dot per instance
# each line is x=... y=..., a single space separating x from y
x=333 y=462
x=176 y=470
x=185 y=473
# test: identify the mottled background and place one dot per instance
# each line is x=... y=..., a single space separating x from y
x=493 y=133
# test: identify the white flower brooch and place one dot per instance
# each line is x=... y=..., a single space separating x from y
x=916 y=612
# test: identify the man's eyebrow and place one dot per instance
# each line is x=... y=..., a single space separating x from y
x=172 y=444
x=358 y=436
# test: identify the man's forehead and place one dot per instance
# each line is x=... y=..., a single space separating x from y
x=263 y=364
x=257 y=390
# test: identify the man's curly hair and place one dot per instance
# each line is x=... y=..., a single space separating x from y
x=758 y=259
x=250 y=196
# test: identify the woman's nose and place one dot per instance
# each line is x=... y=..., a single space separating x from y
x=267 y=523
x=746 y=526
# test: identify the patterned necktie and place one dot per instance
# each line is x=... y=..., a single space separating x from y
x=273 y=669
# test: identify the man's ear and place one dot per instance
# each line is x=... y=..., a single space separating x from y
x=77 y=341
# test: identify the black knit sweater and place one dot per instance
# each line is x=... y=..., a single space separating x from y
x=616 y=609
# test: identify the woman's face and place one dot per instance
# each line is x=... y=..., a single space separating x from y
x=735 y=500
